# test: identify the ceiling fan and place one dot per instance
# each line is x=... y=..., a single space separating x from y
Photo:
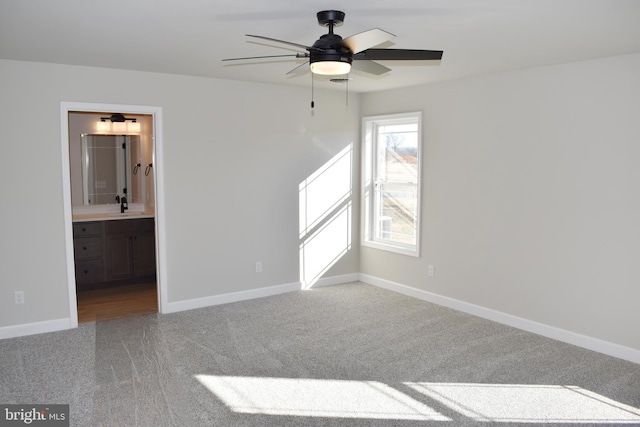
x=332 y=55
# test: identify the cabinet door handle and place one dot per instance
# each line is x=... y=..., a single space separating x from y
x=84 y=229
x=86 y=271
x=84 y=248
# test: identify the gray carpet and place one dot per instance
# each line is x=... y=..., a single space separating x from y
x=352 y=355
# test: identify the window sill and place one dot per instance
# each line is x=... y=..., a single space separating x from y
x=403 y=250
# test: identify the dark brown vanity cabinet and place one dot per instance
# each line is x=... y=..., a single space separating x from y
x=109 y=253
x=130 y=249
x=88 y=250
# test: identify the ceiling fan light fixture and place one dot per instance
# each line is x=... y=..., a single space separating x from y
x=332 y=56
x=330 y=65
x=330 y=68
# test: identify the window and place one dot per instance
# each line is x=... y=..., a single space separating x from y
x=391 y=182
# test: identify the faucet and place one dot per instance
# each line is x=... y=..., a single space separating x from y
x=123 y=204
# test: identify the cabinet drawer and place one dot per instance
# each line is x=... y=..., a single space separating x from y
x=81 y=229
x=87 y=247
x=126 y=226
x=89 y=271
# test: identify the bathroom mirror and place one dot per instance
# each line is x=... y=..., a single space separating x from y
x=111 y=168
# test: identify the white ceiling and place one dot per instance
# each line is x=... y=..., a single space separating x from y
x=192 y=37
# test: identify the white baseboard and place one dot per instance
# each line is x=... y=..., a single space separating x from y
x=191 y=304
x=584 y=341
x=173 y=307
x=35 y=328
x=336 y=280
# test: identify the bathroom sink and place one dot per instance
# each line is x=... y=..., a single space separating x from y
x=118 y=214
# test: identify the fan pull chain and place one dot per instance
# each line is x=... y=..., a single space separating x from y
x=347 y=92
x=312 y=103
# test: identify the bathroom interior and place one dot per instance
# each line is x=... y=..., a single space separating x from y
x=113 y=214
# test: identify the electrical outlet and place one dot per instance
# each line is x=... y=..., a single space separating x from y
x=431 y=271
x=18 y=297
x=258 y=267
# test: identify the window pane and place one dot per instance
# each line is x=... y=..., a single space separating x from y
x=397 y=212
x=391 y=182
x=398 y=151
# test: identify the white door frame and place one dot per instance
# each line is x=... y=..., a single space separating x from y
x=158 y=169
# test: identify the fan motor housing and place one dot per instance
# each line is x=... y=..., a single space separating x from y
x=330 y=42
x=327 y=18
x=329 y=56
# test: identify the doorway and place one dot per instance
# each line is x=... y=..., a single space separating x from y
x=110 y=294
x=115 y=302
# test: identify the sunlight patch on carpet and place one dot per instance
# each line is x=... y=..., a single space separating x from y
x=522 y=403
x=317 y=398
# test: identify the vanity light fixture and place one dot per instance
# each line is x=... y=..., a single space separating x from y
x=118 y=123
x=103 y=126
x=134 y=127
x=119 y=127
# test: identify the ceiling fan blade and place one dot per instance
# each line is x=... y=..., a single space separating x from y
x=399 y=55
x=361 y=41
x=301 y=46
x=370 y=67
x=264 y=57
x=299 y=69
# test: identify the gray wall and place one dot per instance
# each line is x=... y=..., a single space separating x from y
x=531 y=198
x=234 y=156
x=530 y=201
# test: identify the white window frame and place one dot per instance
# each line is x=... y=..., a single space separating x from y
x=368 y=208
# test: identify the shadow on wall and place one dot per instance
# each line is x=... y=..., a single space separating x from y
x=325 y=199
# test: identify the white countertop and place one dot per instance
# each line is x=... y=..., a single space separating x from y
x=109 y=213
x=111 y=216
